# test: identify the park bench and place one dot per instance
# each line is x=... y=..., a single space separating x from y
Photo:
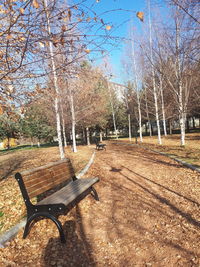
x=100 y=146
x=59 y=191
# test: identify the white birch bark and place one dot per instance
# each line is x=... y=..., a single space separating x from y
x=163 y=106
x=101 y=136
x=153 y=77
x=74 y=148
x=38 y=143
x=129 y=127
x=137 y=91
x=182 y=114
x=113 y=112
x=88 y=136
x=63 y=128
x=147 y=111
x=55 y=81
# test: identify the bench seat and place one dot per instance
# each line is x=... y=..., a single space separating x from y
x=70 y=192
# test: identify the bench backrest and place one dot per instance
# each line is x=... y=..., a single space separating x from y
x=41 y=179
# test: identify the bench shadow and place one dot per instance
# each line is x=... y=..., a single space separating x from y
x=75 y=252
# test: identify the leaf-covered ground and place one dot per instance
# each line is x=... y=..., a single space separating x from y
x=148 y=215
x=171 y=146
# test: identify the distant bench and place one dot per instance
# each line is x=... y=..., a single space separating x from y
x=70 y=191
x=100 y=146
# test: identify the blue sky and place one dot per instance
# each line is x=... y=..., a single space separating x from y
x=120 y=13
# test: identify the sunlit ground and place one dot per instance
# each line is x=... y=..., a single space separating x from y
x=171 y=145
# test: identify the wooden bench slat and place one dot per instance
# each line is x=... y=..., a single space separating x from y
x=70 y=192
x=39 y=180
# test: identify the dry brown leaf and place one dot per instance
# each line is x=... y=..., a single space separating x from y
x=36 y=4
x=108 y=27
x=87 y=51
x=140 y=15
x=21 y=10
x=9 y=36
x=63 y=28
x=69 y=14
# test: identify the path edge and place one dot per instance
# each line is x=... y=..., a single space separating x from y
x=188 y=165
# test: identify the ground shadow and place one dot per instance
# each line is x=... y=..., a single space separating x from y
x=9 y=166
x=75 y=252
x=162 y=186
x=163 y=200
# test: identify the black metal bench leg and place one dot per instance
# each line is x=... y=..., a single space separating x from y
x=94 y=193
x=49 y=216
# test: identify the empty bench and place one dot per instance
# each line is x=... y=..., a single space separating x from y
x=100 y=146
x=67 y=192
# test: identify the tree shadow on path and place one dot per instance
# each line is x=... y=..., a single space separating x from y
x=163 y=200
x=162 y=186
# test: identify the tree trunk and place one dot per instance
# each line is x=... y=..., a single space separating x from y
x=137 y=92
x=101 y=136
x=153 y=79
x=8 y=145
x=193 y=122
x=182 y=125
x=146 y=128
x=152 y=130
x=163 y=107
x=113 y=112
x=147 y=112
x=88 y=136
x=188 y=124
x=129 y=126
x=106 y=133
x=84 y=136
x=38 y=143
x=182 y=113
x=74 y=148
x=55 y=81
x=63 y=129
x=170 y=126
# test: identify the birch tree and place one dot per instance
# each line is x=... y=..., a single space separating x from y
x=110 y=87
x=153 y=76
x=162 y=104
x=136 y=85
x=55 y=82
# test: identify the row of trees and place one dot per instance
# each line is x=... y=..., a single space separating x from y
x=43 y=47
x=164 y=69
x=49 y=87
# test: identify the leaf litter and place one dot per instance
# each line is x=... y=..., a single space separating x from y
x=148 y=215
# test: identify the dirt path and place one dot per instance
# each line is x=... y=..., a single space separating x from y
x=148 y=215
